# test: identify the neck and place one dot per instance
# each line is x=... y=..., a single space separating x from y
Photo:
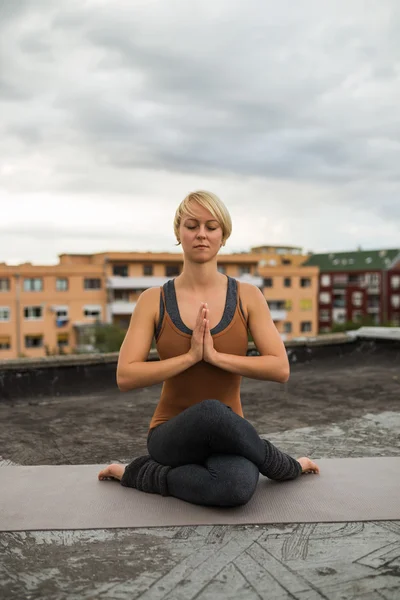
x=198 y=277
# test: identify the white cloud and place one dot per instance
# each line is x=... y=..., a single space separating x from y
x=109 y=117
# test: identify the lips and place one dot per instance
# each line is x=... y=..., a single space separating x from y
x=201 y=246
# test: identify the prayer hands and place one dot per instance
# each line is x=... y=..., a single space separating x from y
x=202 y=345
x=209 y=352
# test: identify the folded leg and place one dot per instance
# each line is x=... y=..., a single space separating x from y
x=210 y=427
x=223 y=480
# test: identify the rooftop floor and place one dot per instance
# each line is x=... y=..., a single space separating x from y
x=347 y=407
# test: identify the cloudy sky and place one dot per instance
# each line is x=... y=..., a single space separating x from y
x=111 y=112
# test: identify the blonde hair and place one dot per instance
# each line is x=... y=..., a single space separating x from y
x=210 y=202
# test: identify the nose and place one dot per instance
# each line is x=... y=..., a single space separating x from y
x=201 y=234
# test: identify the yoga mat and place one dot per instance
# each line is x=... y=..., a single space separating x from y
x=71 y=497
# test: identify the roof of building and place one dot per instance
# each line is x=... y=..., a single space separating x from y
x=359 y=260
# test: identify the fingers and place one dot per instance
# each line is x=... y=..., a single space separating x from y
x=200 y=315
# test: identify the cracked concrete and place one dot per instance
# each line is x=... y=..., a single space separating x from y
x=341 y=409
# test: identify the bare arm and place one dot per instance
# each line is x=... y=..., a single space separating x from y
x=273 y=364
x=133 y=371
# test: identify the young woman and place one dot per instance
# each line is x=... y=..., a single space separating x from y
x=201 y=448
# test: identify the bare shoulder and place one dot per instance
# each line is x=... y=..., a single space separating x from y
x=150 y=299
x=138 y=338
x=249 y=293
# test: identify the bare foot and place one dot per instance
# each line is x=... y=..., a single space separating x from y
x=307 y=465
x=112 y=472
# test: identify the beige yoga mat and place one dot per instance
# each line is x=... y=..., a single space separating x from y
x=71 y=497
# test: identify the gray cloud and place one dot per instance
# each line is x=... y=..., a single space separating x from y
x=306 y=93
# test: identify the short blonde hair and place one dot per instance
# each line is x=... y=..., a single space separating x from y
x=212 y=203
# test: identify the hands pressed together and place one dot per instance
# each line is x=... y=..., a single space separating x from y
x=202 y=345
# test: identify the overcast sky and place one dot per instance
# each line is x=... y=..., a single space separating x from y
x=111 y=112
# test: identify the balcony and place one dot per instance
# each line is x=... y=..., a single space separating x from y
x=339 y=304
x=135 y=283
x=254 y=280
x=143 y=283
x=278 y=314
x=373 y=308
x=122 y=308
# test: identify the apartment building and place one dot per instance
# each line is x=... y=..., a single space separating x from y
x=358 y=284
x=290 y=288
x=50 y=309
x=43 y=307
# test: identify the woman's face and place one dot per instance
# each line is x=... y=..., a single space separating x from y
x=201 y=230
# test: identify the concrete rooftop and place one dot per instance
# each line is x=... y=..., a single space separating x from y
x=342 y=407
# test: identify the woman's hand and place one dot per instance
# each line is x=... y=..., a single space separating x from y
x=197 y=342
x=209 y=352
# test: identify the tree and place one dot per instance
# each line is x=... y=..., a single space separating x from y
x=108 y=337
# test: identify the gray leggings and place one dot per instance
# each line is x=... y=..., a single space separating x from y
x=216 y=456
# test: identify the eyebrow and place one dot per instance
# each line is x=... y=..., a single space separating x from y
x=194 y=219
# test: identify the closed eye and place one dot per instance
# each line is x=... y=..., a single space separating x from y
x=210 y=228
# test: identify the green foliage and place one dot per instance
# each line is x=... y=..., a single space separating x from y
x=108 y=337
x=366 y=321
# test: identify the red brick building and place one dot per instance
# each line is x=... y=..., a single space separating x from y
x=355 y=285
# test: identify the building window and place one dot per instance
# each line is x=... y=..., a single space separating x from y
x=306 y=304
x=33 y=341
x=288 y=304
x=4 y=313
x=172 y=270
x=268 y=282
x=92 y=311
x=62 y=340
x=357 y=298
x=324 y=315
x=287 y=282
x=222 y=269
x=286 y=261
x=147 y=270
x=244 y=270
x=395 y=281
x=354 y=279
x=61 y=284
x=324 y=298
x=5 y=342
x=120 y=270
x=339 y=317
x=121 y=295
x=34 y=284
x=92 y=283
x=374 y=279
x=305 y=326
x=305 y=282
x=33 y=312
x=340 y=280
x=61 y=316
x=395 y=300
x=4 y=284
x=325 y=280
x=339 y=301
x=287 y=327
x=356 y=315
x=276 y=305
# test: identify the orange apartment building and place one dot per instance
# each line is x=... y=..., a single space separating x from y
x=46 y=309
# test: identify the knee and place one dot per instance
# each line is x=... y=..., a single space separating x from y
x=211 y=406
x=244 y=491
x=240 y=487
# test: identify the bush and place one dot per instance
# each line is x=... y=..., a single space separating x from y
x=108 y=337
